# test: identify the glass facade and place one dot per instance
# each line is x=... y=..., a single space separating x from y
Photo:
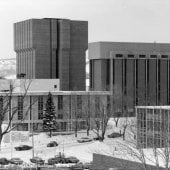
x=1 y=105
x=60 y=102
x=40 y=107
x=153 y=126
x=20 y=107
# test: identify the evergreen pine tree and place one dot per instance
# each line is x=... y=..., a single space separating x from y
x=49 y=118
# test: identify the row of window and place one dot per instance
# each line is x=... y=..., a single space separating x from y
x=140 y=56
x=156 y=141
x=153 y=114
x=20 y=106
x=79 y=105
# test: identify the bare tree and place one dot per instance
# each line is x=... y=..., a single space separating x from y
x=102 y=116
x=116 y=103
x=74 y=111
x=161 y=146
x=10 y=111
x=120 y=101
x=116 y=120
x=125 y=124
x=157 y=150
x=131 y=149
x=88 y=114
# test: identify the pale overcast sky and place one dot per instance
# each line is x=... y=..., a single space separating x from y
x=109 y=20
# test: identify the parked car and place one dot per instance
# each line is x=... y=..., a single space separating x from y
x=37 y=160
x=52 y=161
x=84 y=139
x=52 y=144
x=87 y=165
x=4 y=161
x=98 y=138
x=56 y=160
x=71 y=159
x=114 y=135
x=78 y=166
x=23 y=148
x=16 y=161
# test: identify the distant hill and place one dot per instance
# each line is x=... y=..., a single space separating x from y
x=8 y=68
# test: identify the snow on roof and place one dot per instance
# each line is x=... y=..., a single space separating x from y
x=152 y=107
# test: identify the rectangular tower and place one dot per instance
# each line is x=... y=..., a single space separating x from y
x=52 y=49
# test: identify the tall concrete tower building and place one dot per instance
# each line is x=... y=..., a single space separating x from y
x=52 y=49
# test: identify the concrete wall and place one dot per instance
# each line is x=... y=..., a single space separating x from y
x=102 y=162
x=24 y=48
x=34 y=85
x=101 y=50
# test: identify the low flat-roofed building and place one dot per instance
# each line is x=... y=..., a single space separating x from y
x=153 y=126
x=33 y=85
x=72 y=108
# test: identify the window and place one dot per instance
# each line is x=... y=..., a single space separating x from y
x=79 y=102
x=60 y=102
x=107 y=74
x=156 y=115
x=164 y=56
x=79 y=106
x=60 y=116
x=136 y=89
x=141 y=56
x=57 y=64
x=40 y=107
x=20 y=107
x=1 y=104
x=153 y=56
x=119 y=55
x=130 y=56
x=150 y=114
x=108 y=105
x=97 y=106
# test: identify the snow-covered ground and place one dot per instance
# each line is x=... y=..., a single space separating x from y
x=67 y=144
x=83 y=151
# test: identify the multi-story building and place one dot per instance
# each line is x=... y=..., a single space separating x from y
x=52 y=48
x=153 y=126
x=73 y=108
x=136 y=73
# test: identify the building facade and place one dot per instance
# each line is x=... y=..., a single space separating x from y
x=52 y=48
x=153 y=126
x=73 y=109
x=136 y=73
